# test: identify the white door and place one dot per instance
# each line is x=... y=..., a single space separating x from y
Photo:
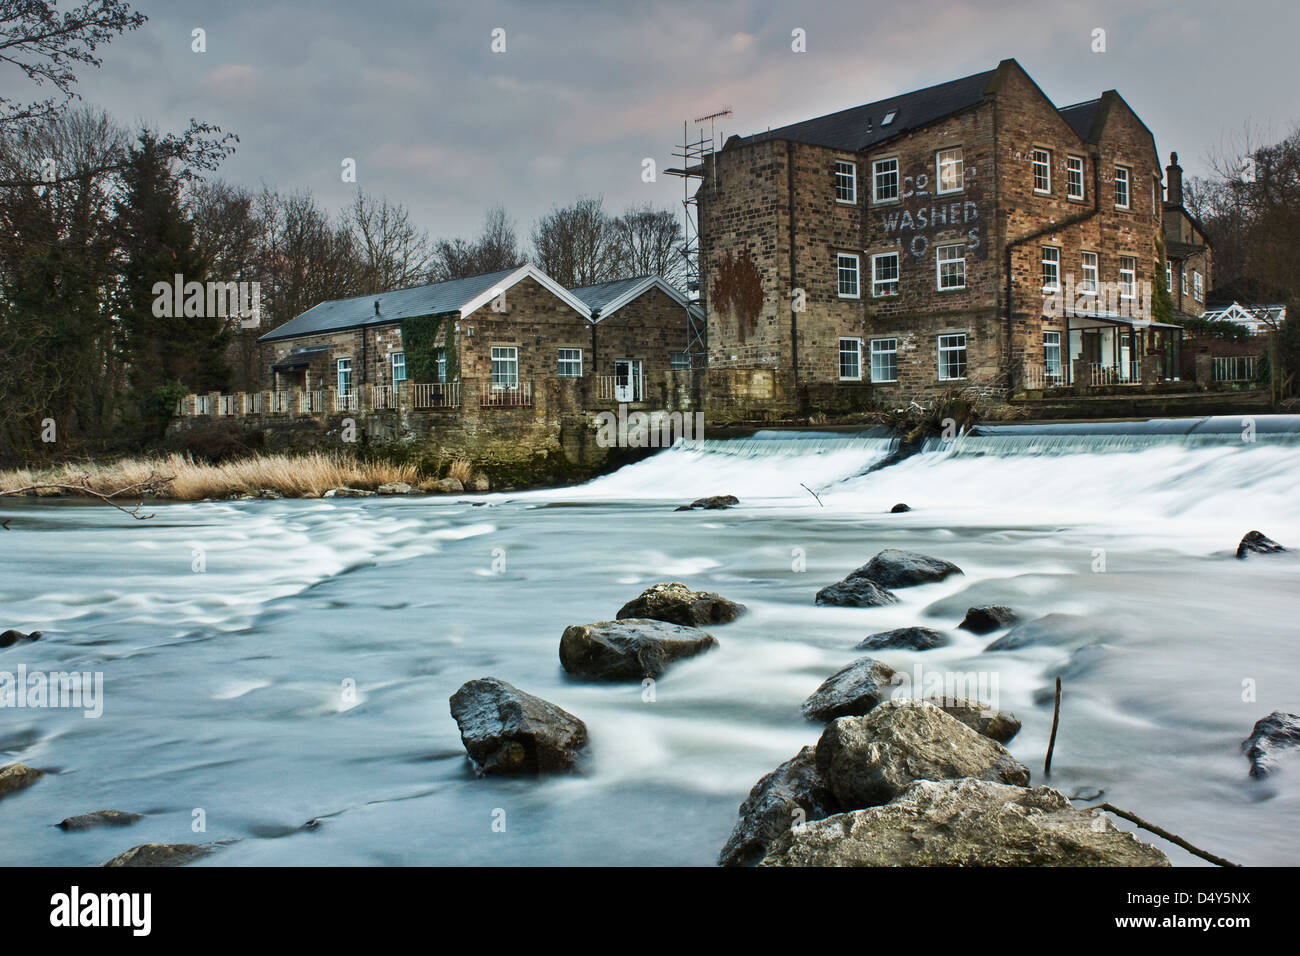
x=627 y=380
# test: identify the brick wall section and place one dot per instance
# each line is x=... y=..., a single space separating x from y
x=651 y=328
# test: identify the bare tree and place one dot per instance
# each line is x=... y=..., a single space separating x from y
x=648 y=241
x=575 y=245
x=396 y=253
x=495 y=250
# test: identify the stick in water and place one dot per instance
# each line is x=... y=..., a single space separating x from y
x=811 y=492
x=1056 y=719
x=1171 y=837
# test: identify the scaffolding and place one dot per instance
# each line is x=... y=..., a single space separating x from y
x=697 y=159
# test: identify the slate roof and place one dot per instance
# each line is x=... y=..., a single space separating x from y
x=1080 y=116
x=602 y=293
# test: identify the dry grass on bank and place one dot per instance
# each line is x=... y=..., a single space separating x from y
x=304 y=476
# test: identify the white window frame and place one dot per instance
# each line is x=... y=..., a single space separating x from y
x=1051 y=257
x=572 y=359
x=877 y=283
x=877 y=173
x=1128 y=267
x=940 y=262
x=1051 y=343
x=677 y=361
x=940 y=163
x=884 y=347
x=505 y=367
x=856 y=351
x=1198 y=285
x=846 y=170
x=341 y=367
x=952 y=343
x=440 y=369
x=1169 y=275
x=1075 y=164
x=1042 y=158
x=1090 y=266
x=397 y=361
x=1123 y=174
x=840 y=259
x=1183 y=284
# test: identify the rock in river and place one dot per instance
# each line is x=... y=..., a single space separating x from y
x=1256 y=542
x=99 y=818
x=892 y=568
x=850 y=691
x=1052 y=630
x=855 y=592
x=1000 y=725
x=675 y=603
x=505 y=730
x=909 y=638
x=988 y=618
x=791 y=794
x=1272 y=736
x=872 y=759
x=711 y=503
x=899 y=509
x=11 y=637
x=965 y=822
x=630 y=649
x=17 y=776
x=160 y=854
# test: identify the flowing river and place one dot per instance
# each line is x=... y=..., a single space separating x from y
x=270 y=663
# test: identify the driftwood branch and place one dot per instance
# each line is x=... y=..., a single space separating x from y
x=1165 y=834
x=1056 y=719
x=811 y=492
x=154 y=482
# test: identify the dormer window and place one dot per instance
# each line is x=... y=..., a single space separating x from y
x=889 y=117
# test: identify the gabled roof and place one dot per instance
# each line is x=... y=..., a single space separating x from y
x=1249 y=315
x=861 y=127
x=460 y=296
x=606 y=298
x=1080 y=116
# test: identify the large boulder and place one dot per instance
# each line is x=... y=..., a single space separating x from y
x=855 y=592
x=631 y=649
x=1000 y=725
x=675 y=603
x=506 y=731
x=870 y=760
x=160 y=854
x=1052 y=630
x=1272 y=737
x=1256 y=542
x=11 y=637
x=965 y=822
x=892 y=568
x=790 y=795
x=711 y=503
x=850 y=691
x=17 y=776
x=99 y=818
x=988 y=618
x=908 y=638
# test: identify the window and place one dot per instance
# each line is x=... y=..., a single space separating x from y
x=345 y=376
x=1042 y=171
x=948 y=170
x=1089 y=284
x=1184 y=282
x=952 y=357
x=884 y=274
x=440 y=369
x=1198 y=286
x=1169 y=275
x=1074 y=177
x=846 y=182
x=884 y=360
x=885 y=180
x=399 y=367
x=570 y=363
x=1121 y=187
x=1052 y=354
x=851 y=358
x=1051 y=269
x=1127 y=277
x=846 y=268
x=679 y=360
x=889 y=117
x=505 y=367
x=950 y=264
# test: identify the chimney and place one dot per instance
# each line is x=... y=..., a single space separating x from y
x=1174 y=181
x=376 y=307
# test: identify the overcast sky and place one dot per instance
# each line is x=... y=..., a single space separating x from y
x=412 y=90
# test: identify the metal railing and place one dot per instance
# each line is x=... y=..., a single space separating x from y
x=518 y=395
x=1038 y=377
x=1125 y=373
x=345 y=401
x=620 y=388
x=441 y=395
x=1234 y=368
x=312 y=401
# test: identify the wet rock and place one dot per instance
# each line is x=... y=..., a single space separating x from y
x=712 y=503
x=999 y=725
x=348 y=493
x=394 y=488
x=17 y=776
x=1256 y=542
x=160 y=854
x=507 y=731
x=892 y=568
x=899 y=509
x=790 y=795
x=11 y=637
x=966 y=822
x=855 y=592
x=270 y=494
x=675 y=603
x=1272 y=737
x=630 y=649
x=908 y=638
x=850 y=691
x=987 y=618
x=1051 y=630
x=448 y=486
x=870 y=760
x=99 y=818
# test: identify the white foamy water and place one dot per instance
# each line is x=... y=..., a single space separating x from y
x=304 y=672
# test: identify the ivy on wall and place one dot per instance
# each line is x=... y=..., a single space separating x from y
x=1162 y=303
x=423 y=337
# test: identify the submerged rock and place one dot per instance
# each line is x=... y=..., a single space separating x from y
x=870 y=760
x=999 y=725
x=892 y=568
x=99 y=818
x=855 y=592
x=629 y=649
x=910 y=638
x=987 y=618
x=789 y=796
x=505 y=730
x=965 y=822
x=1256 y=542
x=1274 y=736
x=160 y=854
x=11 y=637
x=899 y=509
x=675 y=603
x=17 y=776
x=711 y=503
x=850 y=691
x=1051 y=630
